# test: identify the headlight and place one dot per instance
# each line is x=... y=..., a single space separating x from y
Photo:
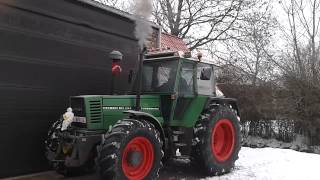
x=79 y=119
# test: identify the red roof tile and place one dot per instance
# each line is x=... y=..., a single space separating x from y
x=173 y=43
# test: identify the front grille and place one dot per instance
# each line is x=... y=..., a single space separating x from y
x=95 y=111
x=79 y=125
x=77 y=105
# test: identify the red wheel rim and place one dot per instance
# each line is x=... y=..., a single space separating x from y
x=222 y=139
x=137 y=158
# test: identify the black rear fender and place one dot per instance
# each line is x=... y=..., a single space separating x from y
x=150 y=118
x=228 y=102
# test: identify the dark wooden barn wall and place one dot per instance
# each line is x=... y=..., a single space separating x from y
x=50 y=50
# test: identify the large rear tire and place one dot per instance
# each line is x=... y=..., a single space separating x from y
x=219 y=140
x=132 y=150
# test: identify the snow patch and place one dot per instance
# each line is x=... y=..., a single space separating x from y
x=273 y=164
x=299 y=144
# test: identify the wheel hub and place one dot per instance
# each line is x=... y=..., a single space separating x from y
x=223 y=140
x=134 y=158
x=137 y=158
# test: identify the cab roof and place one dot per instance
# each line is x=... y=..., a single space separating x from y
x=171 y=55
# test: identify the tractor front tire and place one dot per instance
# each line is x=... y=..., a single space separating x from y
x=52 y=141
x=219 y=140
x=52 y=144
x=132 y=150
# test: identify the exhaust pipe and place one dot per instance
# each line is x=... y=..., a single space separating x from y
x=140 y=71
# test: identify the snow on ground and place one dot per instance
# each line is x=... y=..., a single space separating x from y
x=298 y=144
x=274 y=164
x=253 y=164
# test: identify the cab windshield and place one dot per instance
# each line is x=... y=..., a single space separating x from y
x=159 y=76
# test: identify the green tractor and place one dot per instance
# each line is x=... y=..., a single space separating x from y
x=175 y=113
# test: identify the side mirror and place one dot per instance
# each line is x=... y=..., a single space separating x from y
x=206 y=74
x=116 y=55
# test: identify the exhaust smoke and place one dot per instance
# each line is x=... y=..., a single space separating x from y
x=143 y=29
x=142 y=11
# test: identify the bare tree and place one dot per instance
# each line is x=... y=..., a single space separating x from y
x=198 y=21
x=118 y=4
x=253 y=51
x=302 y=64
x=108 y=2
x=251 y=48
x=304 y=20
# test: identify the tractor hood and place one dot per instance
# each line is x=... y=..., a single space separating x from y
x=101 y=111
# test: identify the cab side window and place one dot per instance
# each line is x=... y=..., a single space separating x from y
x=186 y=80
x=205 y=79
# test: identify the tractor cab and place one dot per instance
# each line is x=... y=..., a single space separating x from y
x=173 y=73
x=183 y=83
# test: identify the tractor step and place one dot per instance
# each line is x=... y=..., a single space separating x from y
x=58 y=160
x=181 y=139
x=180 y=144
x=177 y=132
x=183 y=157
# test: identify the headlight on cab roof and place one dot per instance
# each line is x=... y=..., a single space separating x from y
x=79 y=119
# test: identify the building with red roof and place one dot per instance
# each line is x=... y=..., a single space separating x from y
x=168 y=41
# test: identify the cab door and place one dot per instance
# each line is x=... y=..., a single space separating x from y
x=194 y=87
x=186 y=90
